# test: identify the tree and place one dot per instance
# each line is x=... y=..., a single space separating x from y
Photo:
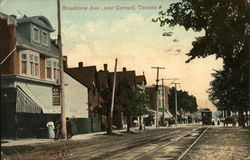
x=131 y=102
x=185 y=102
x=106 y=96
x=230 y=91
x=140 y=106
x=125 y=95
x=227 y=30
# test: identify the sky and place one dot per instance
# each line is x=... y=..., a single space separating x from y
x=98 y=31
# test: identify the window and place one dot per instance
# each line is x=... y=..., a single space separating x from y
x=31 y=60
x=29 y=64
x=48 y=70
x=36 y=66
x=36 y=36
x=45 y=38
x=52 y=69
x=56 y=70
x=23 y=63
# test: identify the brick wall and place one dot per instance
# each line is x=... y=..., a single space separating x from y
x=7 y=44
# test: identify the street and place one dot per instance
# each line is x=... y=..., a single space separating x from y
x=186 y=142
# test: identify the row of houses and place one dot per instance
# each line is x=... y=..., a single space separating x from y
x=30 y=80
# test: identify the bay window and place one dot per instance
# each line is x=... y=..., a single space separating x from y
x=31 y=60
x=52 y=69
x=48 y=70
x=36 y=62
x=23 y=63
x=29 y=64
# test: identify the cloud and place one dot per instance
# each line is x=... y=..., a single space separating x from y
x=138 y=43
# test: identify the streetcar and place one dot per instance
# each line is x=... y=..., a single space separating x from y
x=206 y=116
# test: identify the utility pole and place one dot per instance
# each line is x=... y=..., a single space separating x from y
x=176 y=102
x=157 y=101
x=163 y=102
x=163 y=96
x=113 y=98
x=59 y=38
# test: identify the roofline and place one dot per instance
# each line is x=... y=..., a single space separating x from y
x=81 y=67
x=31 y=19
x=76 y=79
x=19 y=45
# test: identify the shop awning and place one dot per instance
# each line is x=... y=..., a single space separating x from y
x=41 y=96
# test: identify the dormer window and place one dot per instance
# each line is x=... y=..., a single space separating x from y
x=45 y=38
x=36 y=35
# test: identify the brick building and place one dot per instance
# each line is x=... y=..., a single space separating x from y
x=163 y=102
x=29 y=72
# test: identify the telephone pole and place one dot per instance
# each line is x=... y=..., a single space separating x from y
x=63 y=114
x=175 y=84
x=113 y=99
x=157 y=101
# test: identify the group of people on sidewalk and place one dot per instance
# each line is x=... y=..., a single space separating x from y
x=54 y=131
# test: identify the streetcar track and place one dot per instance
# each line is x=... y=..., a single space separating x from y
x=143 y=155
x=112 y=154
x=188 y=149
x=127 y=146
x=165 y=145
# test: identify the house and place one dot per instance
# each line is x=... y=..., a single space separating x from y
x=87 y=76
x=124 y=75
x=141 y=82
x=29 y=77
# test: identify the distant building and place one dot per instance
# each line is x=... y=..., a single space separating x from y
x=141 y=82
x=106 y=77
x=162 y=98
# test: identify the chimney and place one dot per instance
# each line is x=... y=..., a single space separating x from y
x=12 y=20
x=105 y=66
x=124 y=69
x=80 y=64
x=65 y=62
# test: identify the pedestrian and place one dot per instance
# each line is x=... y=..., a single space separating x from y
x=51 y=127
x=68 y=126
x=58 y=129
x=218 y=122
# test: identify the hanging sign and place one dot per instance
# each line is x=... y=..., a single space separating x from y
x=56 y=96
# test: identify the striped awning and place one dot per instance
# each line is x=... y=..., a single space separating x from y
x=31 y=98
x=24 y=104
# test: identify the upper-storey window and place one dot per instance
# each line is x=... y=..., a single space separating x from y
x=52 y=69
x=48 y=70
x=23 y=63
x=36 y=34
x=29 y=64
x=36 y=64
x=45 y=38
x=32 y=67
x=56 y=70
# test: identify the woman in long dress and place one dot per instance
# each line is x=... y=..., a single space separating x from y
x=51 y=127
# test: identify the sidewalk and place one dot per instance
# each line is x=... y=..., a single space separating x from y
x=33 y=141
x=29 y=141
